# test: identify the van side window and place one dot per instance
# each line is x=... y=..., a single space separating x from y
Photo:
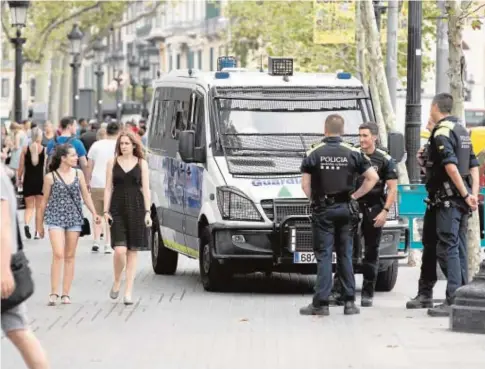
x=180 y=116
x=155 y=122
x=199 y=124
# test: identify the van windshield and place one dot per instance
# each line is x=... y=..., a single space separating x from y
x=271 y=136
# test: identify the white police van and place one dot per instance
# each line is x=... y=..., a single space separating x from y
x=224 y=152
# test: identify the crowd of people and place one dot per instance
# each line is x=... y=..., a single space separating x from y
x=99 y=166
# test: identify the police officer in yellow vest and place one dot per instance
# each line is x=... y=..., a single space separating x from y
x=452 y=182
x=328 y=180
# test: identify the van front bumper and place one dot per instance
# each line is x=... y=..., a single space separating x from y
x=276 y=244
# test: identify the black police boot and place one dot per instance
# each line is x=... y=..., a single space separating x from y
x=420 y=302
x=350 y=308
x=315 y=310
x=335 y=299
x=366 y=300
x=442 y=310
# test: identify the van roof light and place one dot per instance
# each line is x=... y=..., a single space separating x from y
x=280 y=66
x=226 y=62
x=344 y=75
x=222 y=75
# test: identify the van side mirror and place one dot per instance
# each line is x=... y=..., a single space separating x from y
x=187 y=150
x=395 y=143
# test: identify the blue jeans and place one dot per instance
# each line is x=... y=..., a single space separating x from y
x=332 y=226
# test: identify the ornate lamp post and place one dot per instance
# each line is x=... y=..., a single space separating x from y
x=99 y=55
x=18 y=12
x=134 y=69
x=117 y=59
x=145 y=80
x=75 y=37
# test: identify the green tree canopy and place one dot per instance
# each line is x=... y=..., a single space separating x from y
x=286 y=28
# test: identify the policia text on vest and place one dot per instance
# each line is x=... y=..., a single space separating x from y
x=328 y=179
x=449 y=164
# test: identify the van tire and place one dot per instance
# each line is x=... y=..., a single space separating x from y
x=386 y=280
x=213 y=275
x=164 y=260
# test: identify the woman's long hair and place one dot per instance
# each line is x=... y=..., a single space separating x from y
x=34 y=147
x=137 y=145
x=60 y=152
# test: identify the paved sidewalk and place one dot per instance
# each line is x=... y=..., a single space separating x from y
x=176 y=324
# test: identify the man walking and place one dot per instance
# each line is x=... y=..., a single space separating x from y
x=329 y=172
x=99 y=155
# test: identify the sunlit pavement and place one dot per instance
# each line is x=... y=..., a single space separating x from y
x=174 y=323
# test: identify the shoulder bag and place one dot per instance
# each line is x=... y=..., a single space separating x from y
x=85 y=228
x=24 y=284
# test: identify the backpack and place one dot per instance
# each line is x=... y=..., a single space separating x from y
x=53 y=151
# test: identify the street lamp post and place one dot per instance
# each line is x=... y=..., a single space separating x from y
x=99 y=51
x=117 y=59
x=75 y=37
x=18 y=12
x=133 y=64
x=144 y=75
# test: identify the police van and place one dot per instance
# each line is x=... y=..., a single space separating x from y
x=224 y=152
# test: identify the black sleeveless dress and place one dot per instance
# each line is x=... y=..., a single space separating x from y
x=33 y=174
x=127 y=209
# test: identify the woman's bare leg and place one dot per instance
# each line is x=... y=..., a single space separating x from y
x=130 y=272
x=57 y=238
x=30 y=348
x=119 y=262
x=69 y=259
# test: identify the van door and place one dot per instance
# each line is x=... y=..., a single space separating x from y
x=194 y=174
x=175 y=112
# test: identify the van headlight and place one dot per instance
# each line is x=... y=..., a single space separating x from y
x=235 y=205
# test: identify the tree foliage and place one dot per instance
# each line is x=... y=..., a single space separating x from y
x=286 y=28
x=49 y=22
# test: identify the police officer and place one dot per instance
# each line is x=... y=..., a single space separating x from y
x=329 y=173
x=452 y=182
x=374 y=208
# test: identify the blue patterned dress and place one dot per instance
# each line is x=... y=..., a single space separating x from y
x=62 y=211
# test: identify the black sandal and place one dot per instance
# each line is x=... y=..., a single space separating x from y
x=63 y=299
x=52 y=301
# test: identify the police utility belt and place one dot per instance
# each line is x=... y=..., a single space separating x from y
x=327 y=200
x=447 y=194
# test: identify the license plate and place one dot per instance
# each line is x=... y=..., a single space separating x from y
x=309 y=258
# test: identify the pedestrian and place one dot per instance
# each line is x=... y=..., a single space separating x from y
x=452 y=183
x=20 y=140
x=127 y=208
x=68 y=135
x=83 y=127
x=374 y=207
x=31 y=175
x=48 y=133
x=101 y=134
x=15 y=321
x=64 y=190
x=90 y=137
x=99 y=155
x=329 y=173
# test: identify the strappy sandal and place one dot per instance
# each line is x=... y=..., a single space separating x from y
x=66 y=299
x=52 y=301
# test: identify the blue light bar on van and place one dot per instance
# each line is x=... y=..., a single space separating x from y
x=222 y=75
x=344 y=75
x=226 y=62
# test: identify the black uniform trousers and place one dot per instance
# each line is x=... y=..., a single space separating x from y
x=372 y=239
x=332 y=225
x=444 y=240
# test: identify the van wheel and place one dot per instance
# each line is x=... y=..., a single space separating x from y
x=386 y=280
x=213 y=275
x=164 y=260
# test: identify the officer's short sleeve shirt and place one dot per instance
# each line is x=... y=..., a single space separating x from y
x=389 y=168
x=473 y=159
x=309 y=163
x=360 y=161
x=445 y=144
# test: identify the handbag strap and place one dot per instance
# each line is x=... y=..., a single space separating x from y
x=70 y=194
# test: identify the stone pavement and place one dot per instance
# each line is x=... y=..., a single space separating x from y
x=176 y=324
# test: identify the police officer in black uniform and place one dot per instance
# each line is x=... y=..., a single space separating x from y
x=328 y=179
x=452 y=182
x=374 y=208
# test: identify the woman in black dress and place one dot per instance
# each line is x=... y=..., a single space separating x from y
x=127 y=209
x=31 y=176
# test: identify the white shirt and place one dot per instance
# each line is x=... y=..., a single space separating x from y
x=100 y=152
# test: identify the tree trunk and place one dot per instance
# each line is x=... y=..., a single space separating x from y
x=360 y=41
x=457 y=76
